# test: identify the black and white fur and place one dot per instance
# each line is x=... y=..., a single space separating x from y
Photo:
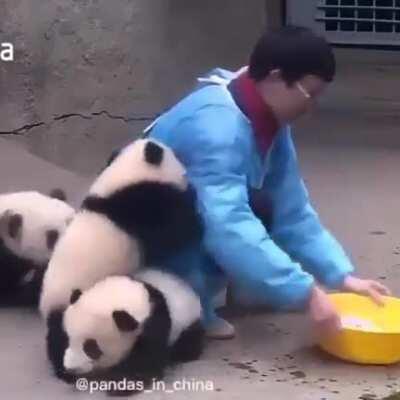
x=128 y=328
x=138 y=211
x=30 y=225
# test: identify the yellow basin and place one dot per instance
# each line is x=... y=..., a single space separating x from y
x=371 y=333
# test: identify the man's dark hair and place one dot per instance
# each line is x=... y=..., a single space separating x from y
x=296 y=51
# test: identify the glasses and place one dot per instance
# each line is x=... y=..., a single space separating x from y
x=303 y=90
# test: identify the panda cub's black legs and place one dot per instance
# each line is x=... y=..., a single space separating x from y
x=15 y=288
x=190 y=344
x=57 y=344
x=27 y=294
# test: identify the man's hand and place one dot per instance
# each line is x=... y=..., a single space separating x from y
x=373 y=289
x=323 y=312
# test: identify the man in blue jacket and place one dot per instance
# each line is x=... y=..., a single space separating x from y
x=261 y=232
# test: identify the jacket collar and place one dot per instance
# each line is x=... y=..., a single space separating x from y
x=249 y=100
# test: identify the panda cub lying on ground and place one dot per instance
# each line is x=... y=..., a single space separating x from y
x=30 y=225
x=129 y=328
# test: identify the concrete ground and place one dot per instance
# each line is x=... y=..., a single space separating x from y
x=350 y=156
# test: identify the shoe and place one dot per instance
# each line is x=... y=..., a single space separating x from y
x=220 y=329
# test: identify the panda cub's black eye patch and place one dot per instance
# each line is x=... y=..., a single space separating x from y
x=15 y=225
x=51 y=237
x=75 y=296
x=92 y=349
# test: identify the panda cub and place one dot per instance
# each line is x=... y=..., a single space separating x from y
x=129 y=328
x=139 y=210
x=30 y=225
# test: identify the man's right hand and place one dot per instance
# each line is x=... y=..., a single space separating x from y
x=323 y=313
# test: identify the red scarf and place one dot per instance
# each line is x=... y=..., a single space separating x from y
x=249 y=100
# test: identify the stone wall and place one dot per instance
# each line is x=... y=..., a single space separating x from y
x=90 y=74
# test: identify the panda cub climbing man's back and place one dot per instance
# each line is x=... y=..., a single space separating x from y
x=138 y=211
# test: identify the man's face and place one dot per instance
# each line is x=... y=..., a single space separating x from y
x=291 y=102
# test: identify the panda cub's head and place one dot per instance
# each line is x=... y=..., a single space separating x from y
x=129 y=328
x=102 y=333
x=141 y=161
x=31 y=223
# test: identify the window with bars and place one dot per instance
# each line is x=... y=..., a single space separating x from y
x=375 y=16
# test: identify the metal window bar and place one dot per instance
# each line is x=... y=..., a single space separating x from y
x=375 y=16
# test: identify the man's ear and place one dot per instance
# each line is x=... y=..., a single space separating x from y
x=275 y=75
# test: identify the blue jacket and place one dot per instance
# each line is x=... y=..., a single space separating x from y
x=215 y=142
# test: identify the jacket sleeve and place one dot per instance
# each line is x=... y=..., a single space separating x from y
x=234 y=236
x=296 y=226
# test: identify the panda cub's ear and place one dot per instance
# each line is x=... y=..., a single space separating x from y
x=153 y=153
x=58 y=194
x=113 y=156
x=124 y=321
x=76 y=293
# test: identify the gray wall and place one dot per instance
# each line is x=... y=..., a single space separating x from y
x=87 y=71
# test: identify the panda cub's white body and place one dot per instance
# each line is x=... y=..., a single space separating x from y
x=130 y=328
x=183 y=304
x=138 y=211
x=91 y=249
x=30 y=225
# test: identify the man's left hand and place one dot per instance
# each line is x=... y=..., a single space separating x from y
x=370 y=288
